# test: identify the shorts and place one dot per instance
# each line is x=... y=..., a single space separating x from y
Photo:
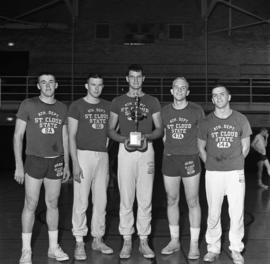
x=40 y=168
x=181 y=165
x=259 y=157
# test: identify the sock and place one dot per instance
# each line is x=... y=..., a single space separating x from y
x=53 y=239
x=79 y=239
x=194 y=234
x=26 y=240
x=174 y=231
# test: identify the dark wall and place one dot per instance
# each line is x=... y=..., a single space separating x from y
x=239 y=53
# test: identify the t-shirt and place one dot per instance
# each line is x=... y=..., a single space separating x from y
x=181 y=128
x=124 y=105
x=92 y=124
x=223 y=141
x=44 y=126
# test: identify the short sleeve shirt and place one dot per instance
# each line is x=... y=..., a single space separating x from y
x=124 y=105
x=223 y=141
x=92 y=124
x=44 y=126
x=181 y=129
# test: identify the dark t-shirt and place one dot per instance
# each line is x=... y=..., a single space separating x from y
x=181 y=128
x=92 y=124
x=123 y=106
x=44 y=126
x=223 y=141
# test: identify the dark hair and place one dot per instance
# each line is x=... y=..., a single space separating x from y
x=263 y=129
x=134 y=67
x=221 y=85
x=94 y=75
x=46 y=73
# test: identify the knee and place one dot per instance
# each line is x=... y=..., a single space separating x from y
x=30 y=204
x=193 y=203
x=172 y=200
x=52 y=203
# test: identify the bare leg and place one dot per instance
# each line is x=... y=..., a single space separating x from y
x=260 y=165
x=32 y=191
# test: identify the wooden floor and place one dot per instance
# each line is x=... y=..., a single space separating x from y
x=257 y=225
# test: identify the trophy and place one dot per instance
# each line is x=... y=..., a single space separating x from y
x=135 y=141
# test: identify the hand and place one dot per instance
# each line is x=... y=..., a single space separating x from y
x=66 y=173
x=77 y=173
x=144 y=144
x=128 y=147
x=19 y=175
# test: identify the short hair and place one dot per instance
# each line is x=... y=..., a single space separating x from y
x=221 y=85
x=134 y=67
x=94 y=75
x=46 y=73
x=263 y=129
x=181 y=78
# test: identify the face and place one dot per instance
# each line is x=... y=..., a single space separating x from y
x=47 y=85
x=135 y=79
x=220 y=97
x=180 y=89
x=94 y=87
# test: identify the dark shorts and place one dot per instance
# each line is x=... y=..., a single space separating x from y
x=40 y=168
x=181 y=165
x=259 y=157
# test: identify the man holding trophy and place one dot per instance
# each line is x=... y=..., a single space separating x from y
x=135 y=113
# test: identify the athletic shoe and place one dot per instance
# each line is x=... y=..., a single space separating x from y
x=26 y=257
x=237 y=257
x=126 y=249
x=99 y=245
x=172 y=247
x=144 y=248
x=210 y=257
x=58 y=254
x=79 y=252
x=194 y=252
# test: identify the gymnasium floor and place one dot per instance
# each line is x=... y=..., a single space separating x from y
x=257 y=224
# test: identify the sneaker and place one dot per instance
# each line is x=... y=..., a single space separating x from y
x=144 y=248
x=99 y=245
x=58 y=254
x=237 y=257
x=194 y=252
x=210 y=257
x=26 y=257
x=172 y=247
x=79 y=252
x=126 y=249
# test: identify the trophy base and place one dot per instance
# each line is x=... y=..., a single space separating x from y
x=135 y=139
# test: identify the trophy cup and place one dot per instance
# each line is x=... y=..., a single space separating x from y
x=135 y=141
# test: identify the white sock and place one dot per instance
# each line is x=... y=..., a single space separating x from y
x=26 y=240
x=53 y=239
x=174 y=231
x=194 y=234
x=79 y=239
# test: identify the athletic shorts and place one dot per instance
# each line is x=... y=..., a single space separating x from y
x=181 y=165
x=259 y=157
x=40 y=168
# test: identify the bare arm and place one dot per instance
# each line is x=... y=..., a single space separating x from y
x=20 y=128
x=201 y=146
x=259 y=145
x=72 y=129
x=158 y=131
x=66 y=153
x=245 y=145
x=112 y=129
